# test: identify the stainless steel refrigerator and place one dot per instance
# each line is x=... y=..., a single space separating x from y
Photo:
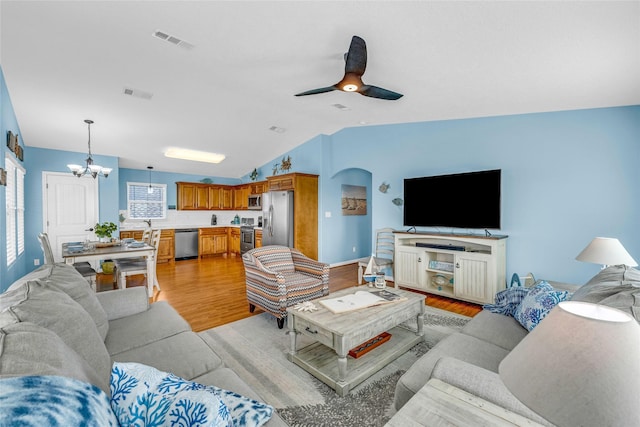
x=277 y=221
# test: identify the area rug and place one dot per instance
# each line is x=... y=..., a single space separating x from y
x=257 y=351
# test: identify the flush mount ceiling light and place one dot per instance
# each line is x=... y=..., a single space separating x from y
x=90 y=168
x=194 y=155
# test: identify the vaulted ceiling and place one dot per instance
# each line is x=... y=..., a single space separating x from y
x=232 y=79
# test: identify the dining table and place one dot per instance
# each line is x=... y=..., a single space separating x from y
x=73 y=252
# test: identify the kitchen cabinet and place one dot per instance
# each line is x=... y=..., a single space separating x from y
x=192 y=196
x=220 y=197
x=257 y=239
x=465 y=267
x=234 y=241
x=212 y=241
x=131 y=234
x=258 y=187
x=241 y=196
x=167 y=246
x=305 y=208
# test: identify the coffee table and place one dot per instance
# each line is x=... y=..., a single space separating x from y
x=335 y=334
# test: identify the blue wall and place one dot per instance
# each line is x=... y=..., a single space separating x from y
x=8 y=122
x=567 y=177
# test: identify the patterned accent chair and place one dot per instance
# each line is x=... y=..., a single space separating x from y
x=279 y=277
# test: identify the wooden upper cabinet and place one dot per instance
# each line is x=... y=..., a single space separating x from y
x=241 y=196
x=202 y=197
x=214 y=197
x=281 y=182
x=186 y=195
x=226 y=197
x=258 y=187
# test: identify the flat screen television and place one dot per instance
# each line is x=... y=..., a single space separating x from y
x=463 y=200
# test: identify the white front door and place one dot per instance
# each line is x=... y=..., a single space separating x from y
x=70 y=209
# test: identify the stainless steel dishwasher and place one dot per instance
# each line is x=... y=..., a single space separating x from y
x=186 y=243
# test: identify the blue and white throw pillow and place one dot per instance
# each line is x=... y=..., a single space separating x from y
x=53 y=401
x=144 y=396
x=538 y=302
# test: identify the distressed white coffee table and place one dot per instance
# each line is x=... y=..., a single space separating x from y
x=335 y=334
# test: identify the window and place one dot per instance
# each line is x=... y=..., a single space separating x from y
x=15 y=209
x=146 y=201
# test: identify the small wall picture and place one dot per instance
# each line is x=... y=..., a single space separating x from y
x=3 y=177
x=12 y=141
x=19 y=152
x=354 y=200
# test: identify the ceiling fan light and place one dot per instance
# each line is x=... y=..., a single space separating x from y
x=350 y=87
x=194 y=155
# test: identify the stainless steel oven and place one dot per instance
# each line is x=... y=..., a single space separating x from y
x=247 y=239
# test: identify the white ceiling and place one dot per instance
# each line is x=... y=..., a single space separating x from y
x=66 y=61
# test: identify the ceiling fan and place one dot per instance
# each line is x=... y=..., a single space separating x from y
x=356 y=62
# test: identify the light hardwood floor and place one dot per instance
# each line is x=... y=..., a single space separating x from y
x=211 y=292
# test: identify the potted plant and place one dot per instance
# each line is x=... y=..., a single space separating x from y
x=104 y=230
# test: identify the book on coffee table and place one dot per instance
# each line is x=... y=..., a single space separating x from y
x=358 y=300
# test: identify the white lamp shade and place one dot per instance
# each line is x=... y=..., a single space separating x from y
x=579 y=367
x=606 y=251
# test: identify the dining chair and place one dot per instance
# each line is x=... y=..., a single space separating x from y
x=384 y=252
x=126 y=267
x=84 y=268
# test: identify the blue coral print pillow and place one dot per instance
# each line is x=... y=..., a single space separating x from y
x=52 y=401
x=537 y=304
x=144 y=396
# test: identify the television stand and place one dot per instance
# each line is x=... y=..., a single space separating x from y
x=461 y=266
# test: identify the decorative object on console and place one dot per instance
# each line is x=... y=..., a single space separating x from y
x=578 y=367
x=607 y=251
x=90 y=168
x=306 y=306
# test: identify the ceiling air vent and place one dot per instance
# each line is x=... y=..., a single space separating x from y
x=173 y=40
x=136 y=93
x=341 y=107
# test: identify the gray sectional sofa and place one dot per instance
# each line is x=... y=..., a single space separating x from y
x=52 y=323
x=469 y=359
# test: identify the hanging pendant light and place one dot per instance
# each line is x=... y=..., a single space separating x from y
x=91 y=168
x=150 y=188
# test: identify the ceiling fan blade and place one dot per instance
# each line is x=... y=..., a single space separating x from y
x=356 y=58
x=315 y=91
x=378 y=92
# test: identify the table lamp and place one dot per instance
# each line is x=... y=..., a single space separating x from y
x=606 y=251
x=579 y=367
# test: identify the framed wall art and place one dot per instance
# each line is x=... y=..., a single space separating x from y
x=3 y=177
x=354 y=200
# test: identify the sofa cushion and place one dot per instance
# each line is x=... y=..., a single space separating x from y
x=227 y=379
x=503 y=331
x=482 y=383
x=158 y=322
x=537 y=304
x=139 y=380
x=185 y=355
x=57 y=312
x=616 y=286
x=66 y=279
x=460 y=346
x=53 y=401
x=163 y=399
x=29 y=349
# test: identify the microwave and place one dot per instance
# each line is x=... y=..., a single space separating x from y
x=255 y=202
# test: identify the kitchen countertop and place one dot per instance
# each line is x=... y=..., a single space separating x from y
x=180 y=227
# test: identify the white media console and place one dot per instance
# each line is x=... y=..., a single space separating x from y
x=461 y=266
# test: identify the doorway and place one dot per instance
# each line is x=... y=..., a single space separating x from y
x=70 y=209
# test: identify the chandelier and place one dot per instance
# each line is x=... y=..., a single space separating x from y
x=91 y=168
